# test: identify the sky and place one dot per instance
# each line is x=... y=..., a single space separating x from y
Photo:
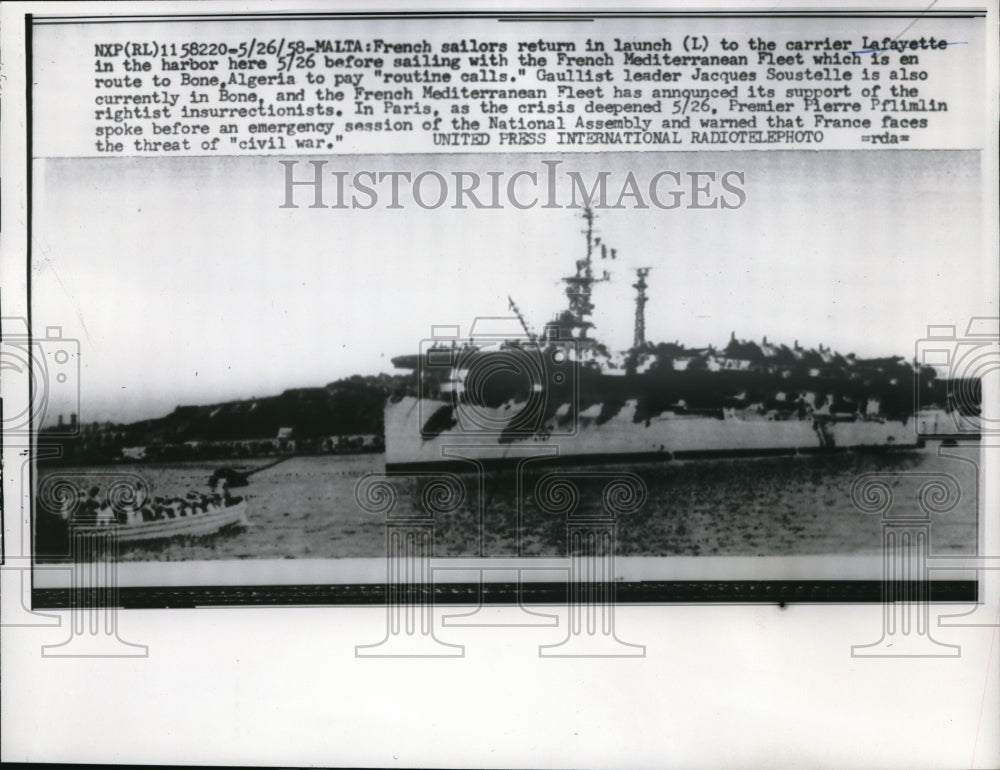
x=185 y=282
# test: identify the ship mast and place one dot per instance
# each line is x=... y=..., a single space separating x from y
x=575 y=320
x=640 y=306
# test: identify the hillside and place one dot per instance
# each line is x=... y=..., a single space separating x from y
x=307 y=416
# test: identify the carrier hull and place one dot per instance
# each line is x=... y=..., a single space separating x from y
x=586 y=439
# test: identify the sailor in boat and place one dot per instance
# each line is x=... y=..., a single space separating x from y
x=94 y=510
x=199 y=503
x=90 y=506
x=105 y=514
x=222 y=493
x=129 y=515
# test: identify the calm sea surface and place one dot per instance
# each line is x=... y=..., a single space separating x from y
x=306 y=507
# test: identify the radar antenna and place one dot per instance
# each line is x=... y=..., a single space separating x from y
x=520 y=317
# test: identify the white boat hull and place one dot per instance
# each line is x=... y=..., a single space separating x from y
x=195 y=525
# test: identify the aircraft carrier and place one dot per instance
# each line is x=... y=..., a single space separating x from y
x=506 y=394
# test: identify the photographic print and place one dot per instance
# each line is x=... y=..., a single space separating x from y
x=534 y=386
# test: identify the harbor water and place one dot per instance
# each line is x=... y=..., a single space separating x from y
x=307 y=507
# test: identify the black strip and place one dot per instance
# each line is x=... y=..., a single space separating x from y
x=29 y=80
x=535 y=20
x=647 y=592
x=519 y=16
